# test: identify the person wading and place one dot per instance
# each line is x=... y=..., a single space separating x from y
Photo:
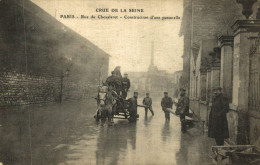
x=148 y=102
x=133 y=107
x=166 y=103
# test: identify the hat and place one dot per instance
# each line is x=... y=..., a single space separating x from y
x=135 y=92
x=165 y=92
x=182 y=89
x=112 y=72
x=147 y=93
x=125 y=74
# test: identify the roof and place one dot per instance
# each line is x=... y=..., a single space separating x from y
x=38 y=12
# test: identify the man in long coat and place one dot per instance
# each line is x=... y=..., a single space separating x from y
x=218 y=124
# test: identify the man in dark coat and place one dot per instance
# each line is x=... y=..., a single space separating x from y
x=166 y=103
x=218 y=124
x=148 y=102
x=114 y=82
x=110 y=79
x=182 y=108
x=133 y=107
x=125 y=85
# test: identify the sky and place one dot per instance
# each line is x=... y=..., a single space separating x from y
x=127 y=41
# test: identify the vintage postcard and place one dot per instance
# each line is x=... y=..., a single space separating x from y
x=129 y=82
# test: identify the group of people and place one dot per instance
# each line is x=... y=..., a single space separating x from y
x=218 y=124
x=119 y=84
x=182 y=106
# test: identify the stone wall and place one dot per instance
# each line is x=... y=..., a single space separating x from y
x=18 y=89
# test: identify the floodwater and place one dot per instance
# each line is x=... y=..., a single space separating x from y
x=68 y=134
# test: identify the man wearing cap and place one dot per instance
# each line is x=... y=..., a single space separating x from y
x=166 y=103
x=182 y=108
x=148 y=102
x=218 y=124
x=125 y=85
x=110 y=79
x=133 y=107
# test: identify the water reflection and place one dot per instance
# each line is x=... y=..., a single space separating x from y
x=147 y=120
x=194 y=149
x=182 y=155
x=112 y=142
x=14 y=139
x=166 y=131
x=66 y=137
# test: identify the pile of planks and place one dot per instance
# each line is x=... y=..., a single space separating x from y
x=236 y=154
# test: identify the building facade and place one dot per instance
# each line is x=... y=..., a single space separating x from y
x=175 y=83
x=223 y=51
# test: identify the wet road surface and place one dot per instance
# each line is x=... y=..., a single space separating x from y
x=68 y=134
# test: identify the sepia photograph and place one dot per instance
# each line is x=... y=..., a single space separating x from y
x=129 y=82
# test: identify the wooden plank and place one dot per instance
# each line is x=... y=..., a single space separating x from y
x=171 y=111
x=118 y=117
x=245 y=154
x=233 y=146
x=186 y=117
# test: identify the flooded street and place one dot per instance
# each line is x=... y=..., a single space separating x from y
x=68 y=134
